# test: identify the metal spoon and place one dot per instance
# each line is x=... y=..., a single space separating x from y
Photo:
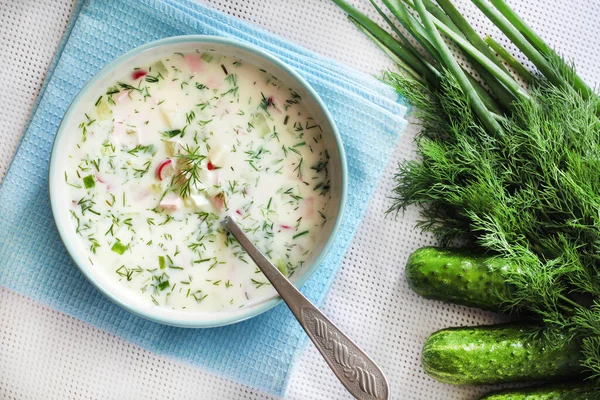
x=357 y=372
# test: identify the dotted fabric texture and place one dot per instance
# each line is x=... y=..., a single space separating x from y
x=258 y=352
x=47 y=354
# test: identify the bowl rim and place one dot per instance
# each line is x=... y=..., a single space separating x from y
x=204 y=39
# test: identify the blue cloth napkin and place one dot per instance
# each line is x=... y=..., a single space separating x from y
x=33 y=261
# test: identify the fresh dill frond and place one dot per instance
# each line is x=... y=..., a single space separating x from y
x=531 y=195
x=189 y=165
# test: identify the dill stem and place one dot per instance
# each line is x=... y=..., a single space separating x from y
x=389 y=41
x=405 y=41
x=537 y=42
x=461 y=27
x=416 y=30
x=468 y=31
x=518 y=23
x=482 y=59
x=450 y=62
x=510 y=60
x=443 y=16
x=399 y=62
x=535 y=56
x=569 y=301
x=413 y=26
x=504 y=96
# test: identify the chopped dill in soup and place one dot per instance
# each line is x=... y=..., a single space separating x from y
x=170 y=149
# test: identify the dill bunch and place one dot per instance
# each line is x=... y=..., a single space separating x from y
x=531 y=194
x=511 y=170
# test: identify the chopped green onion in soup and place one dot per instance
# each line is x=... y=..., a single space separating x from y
x=171 y=148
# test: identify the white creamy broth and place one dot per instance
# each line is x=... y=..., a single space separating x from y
x=169 y=150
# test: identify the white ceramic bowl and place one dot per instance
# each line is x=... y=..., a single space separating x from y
x=144 y=55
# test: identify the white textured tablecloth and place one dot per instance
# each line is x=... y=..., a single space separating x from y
x=47 y=355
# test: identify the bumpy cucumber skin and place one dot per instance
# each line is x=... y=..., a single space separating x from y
x=497 y=354
x=550 y=392
x=457 y=276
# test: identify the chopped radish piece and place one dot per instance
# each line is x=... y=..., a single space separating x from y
x=171 y=201
x=194 y=62
x=286 y=227
x=137 y=74
x=273 y=103
x=238 y=212
x=160 y=171
x=142 y=194
x=213 y=83
x=210 y=166
x=309 y=210
x=219 y=201
x=123 y=97
x=118 y=127
x=102 y=180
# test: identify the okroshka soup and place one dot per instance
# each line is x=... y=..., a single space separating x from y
x=173 y=144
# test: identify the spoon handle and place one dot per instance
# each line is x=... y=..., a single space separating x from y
x=357 y=372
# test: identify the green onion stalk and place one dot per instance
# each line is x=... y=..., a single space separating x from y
x=509 y=158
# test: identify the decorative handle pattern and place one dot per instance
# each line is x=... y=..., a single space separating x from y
x=345 y=358
x=357 y=372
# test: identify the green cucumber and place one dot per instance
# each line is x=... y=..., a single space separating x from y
x=547 y=392
x=459 y=276
x=498 y=354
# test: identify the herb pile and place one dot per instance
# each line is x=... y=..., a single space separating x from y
x=511 y=170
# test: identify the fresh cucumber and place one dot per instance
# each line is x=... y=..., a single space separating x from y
x=497 y=354
x=548 y=392
x=458 y=276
